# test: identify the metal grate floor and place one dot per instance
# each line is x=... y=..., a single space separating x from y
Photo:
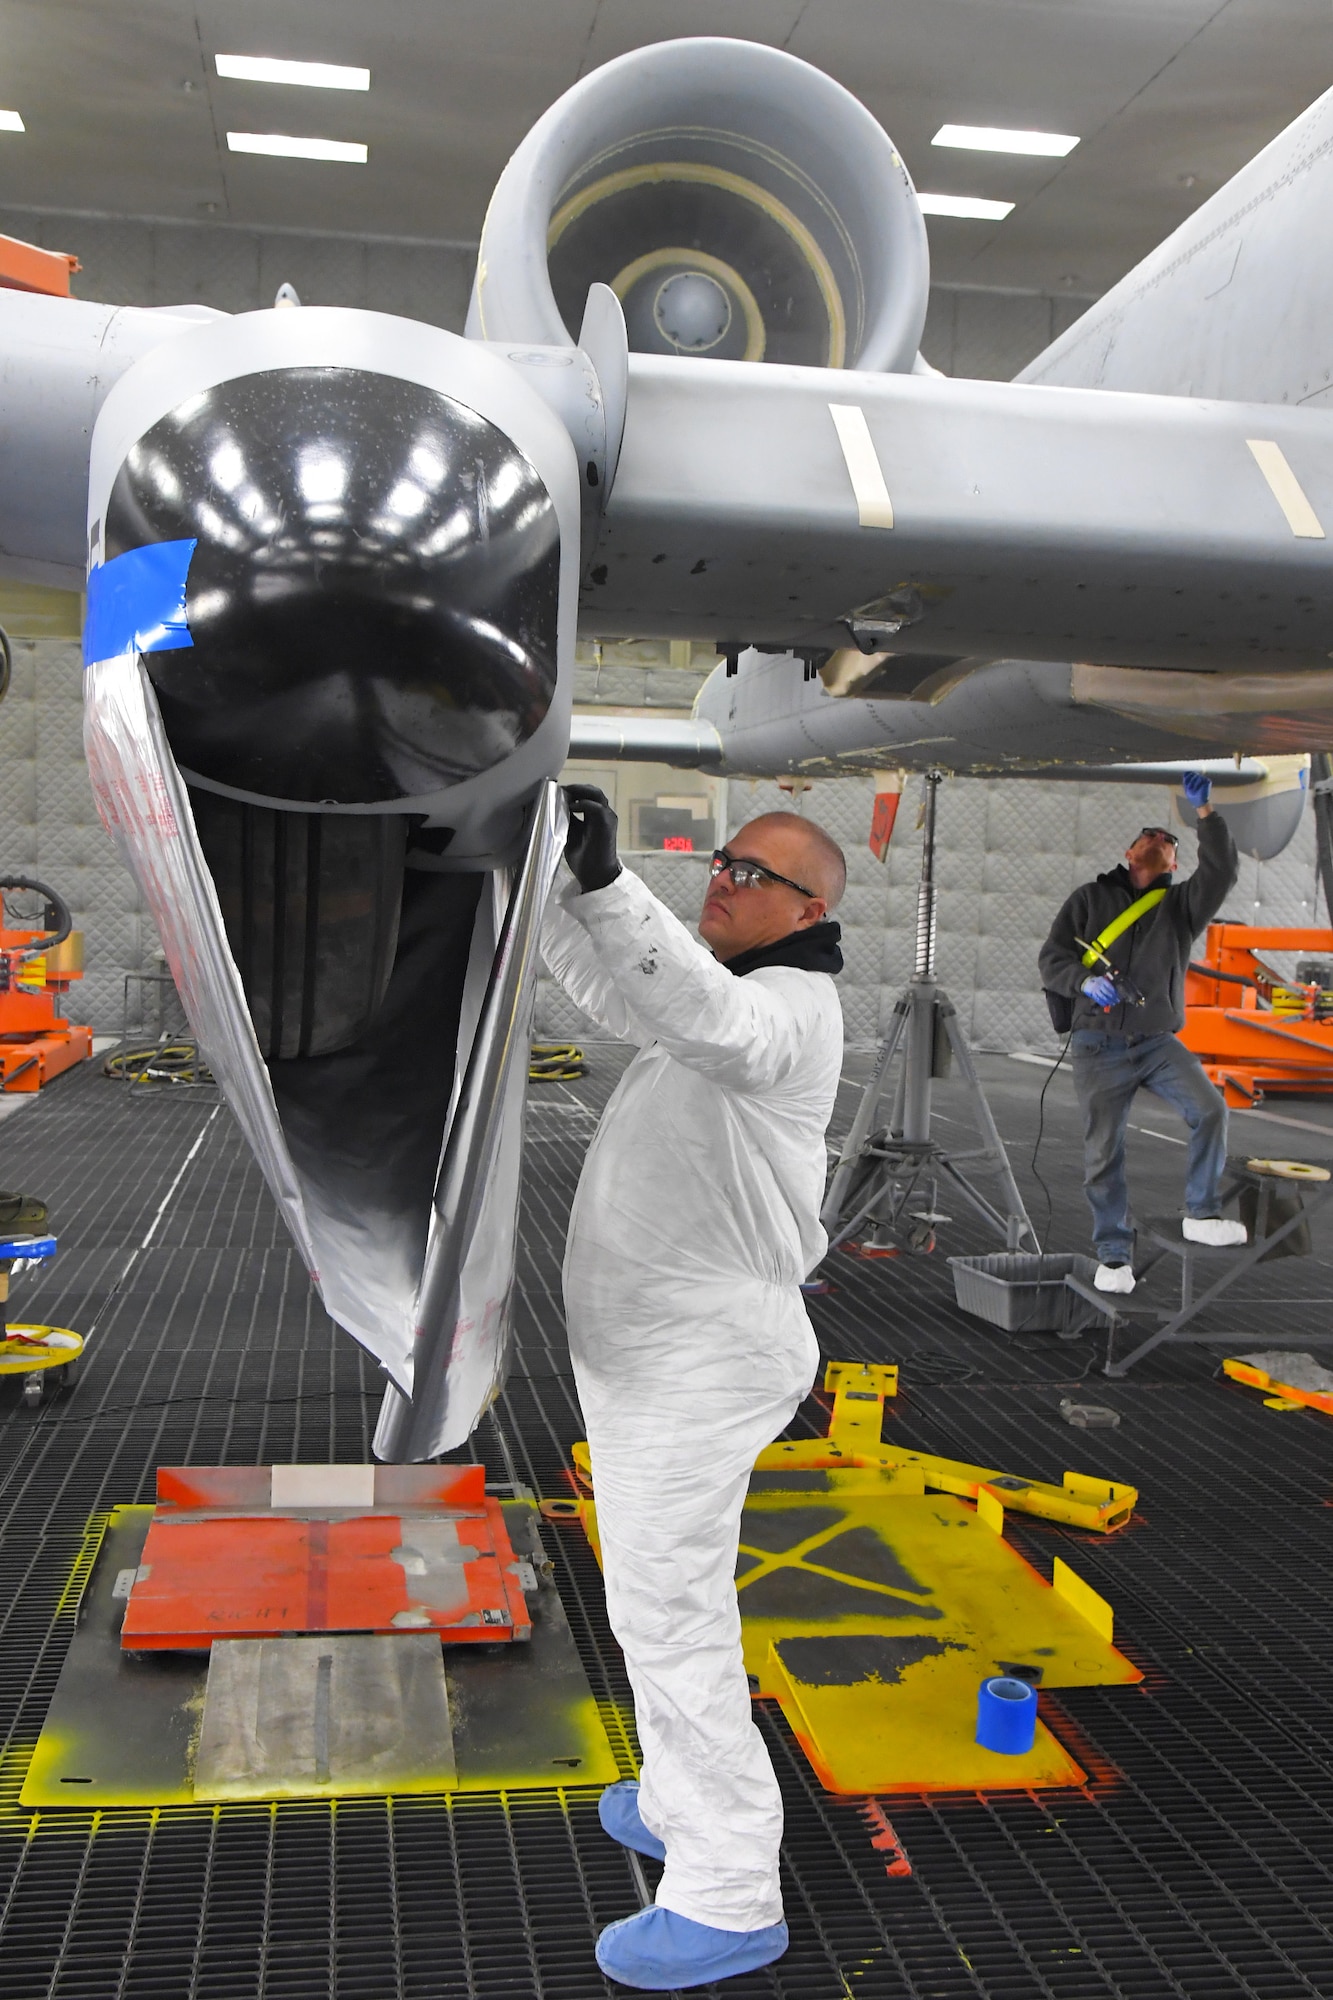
x=1197 y=1863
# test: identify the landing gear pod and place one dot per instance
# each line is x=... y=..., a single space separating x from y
x=372 y=593
x=332 y=589
x=362 y=535
x=741 y=205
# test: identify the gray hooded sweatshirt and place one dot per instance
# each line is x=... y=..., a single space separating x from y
x=1155 y=951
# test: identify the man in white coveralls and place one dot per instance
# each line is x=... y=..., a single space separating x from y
x=695 y=1222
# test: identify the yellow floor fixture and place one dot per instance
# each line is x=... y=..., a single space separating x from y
x=877 y=1591
x=1288 y=1381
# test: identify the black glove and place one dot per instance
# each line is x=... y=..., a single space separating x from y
x=590 y=848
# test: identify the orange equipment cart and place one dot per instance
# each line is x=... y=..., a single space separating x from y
x=37 y=969
x=1255 y=1031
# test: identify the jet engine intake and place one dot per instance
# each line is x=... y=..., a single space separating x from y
x=741 y=205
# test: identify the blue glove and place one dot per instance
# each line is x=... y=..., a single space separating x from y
x=1198 y=789
x=1101 y=990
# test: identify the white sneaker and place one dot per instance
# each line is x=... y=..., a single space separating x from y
x=1213 y=1230
x=1114 y=1278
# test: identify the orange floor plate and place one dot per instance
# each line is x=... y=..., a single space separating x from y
x=227 y=1558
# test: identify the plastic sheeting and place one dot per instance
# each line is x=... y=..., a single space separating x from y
x=462 y=1339
x=443 y=1293
x=145 y=807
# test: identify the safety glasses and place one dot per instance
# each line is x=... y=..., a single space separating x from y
x=1157 y=833
x=749 y=874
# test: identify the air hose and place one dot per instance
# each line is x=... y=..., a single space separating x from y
x=57 y=909
x=172 y=1062
x=556 y=1062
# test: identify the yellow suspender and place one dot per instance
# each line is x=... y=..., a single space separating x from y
x=1119 y=925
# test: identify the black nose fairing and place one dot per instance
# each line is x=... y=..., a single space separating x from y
x=372 y=598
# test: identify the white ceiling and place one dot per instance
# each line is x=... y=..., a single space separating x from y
x=126 y=116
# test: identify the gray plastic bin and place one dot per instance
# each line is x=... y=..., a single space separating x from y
x=1020 y=1292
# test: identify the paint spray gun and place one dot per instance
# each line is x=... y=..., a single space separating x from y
x=1106 y=985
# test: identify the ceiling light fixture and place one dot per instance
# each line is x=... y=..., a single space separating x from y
x=969 y=206
x=999 y=139
x=11 y=122
x=272 y=69
x=284 y=147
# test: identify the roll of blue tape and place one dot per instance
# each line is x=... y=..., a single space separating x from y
x=1006 y=1716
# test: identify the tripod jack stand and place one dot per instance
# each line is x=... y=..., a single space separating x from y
x=885 y=1188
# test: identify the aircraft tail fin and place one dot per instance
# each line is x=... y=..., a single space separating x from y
x=1237 y=303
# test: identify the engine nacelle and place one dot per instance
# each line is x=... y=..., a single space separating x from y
x=742 y=206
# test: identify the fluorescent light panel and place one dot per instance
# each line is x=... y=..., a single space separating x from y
x=272 y=69
x=999 y=139
x=969 y=206
x=11 y=122
x=284 y=147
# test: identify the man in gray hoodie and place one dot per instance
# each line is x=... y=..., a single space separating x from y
x=1121 y=1043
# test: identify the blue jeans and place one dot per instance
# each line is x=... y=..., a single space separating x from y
x=1108 y=1071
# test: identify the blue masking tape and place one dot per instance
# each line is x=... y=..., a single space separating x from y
x=136 y=603
x=1006 y=1716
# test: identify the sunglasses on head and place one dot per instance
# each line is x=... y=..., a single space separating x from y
x=1157 y=833
x=749 y=874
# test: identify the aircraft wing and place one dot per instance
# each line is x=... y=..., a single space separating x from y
x=695 y=744
x=59 y=358
x=1013 y=718
x=798 y=508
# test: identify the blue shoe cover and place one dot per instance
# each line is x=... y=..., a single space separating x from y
x=618 y=1810
x=659 y=1951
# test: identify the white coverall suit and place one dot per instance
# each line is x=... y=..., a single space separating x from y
x=695 y=1221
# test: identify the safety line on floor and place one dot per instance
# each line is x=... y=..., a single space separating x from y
x=153 y=1226
x=1276 y=1118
